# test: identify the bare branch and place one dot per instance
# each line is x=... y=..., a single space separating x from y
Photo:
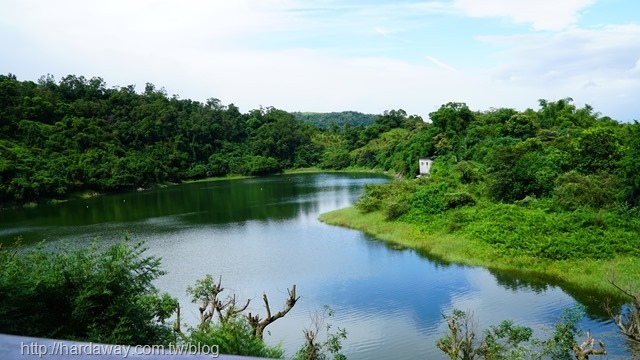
x=628 y=320
x=229 y=309
x=259 y=324
x=587 y=348
x=176 y=325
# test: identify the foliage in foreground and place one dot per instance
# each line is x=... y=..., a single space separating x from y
x=222 y=322
x=91 y=294
x=508 y=341
x=107 y=295
x=314 y=349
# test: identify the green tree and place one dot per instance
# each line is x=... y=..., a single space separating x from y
x=598 y=150
x=630 y=166
x=527 y=168
x=452 y=118
x=521 y=126
x=90 y=294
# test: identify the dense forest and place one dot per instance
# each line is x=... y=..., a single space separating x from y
x=558 y=183
x=78 y=134
x=336 y=119
x=57 y=138
x=554 y=191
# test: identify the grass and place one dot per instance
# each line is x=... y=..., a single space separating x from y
x=217 y=178
x=345 y=170
x=586 y=279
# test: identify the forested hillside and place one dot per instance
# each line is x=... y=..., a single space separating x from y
x=336 y=119
x=554 y=191
x=78 y=134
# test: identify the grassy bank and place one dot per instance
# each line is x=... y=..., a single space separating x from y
x=585 y=279
x=350 y=169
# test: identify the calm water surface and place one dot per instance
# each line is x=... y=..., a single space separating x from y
x=262 y=235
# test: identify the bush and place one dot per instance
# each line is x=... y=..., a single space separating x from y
x=430 y=199
x=458 y=199
x=371 y=198
x=90 y=294
x=196 y=171
x=510 y=341
x=574 y=191
x=260 y=165
x=528 y=168
x=335 y=159
x=234 y=336
x=368 y=204
x=469 y=172
x=397 y=209
x=218 y=165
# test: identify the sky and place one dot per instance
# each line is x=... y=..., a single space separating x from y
x=329 y=55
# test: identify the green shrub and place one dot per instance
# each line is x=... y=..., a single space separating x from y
x=335 y=158
x=390 y=197
x=453 y=226
x=89 y=294
x=368 y=204
x=234 y=336
x=468 y=171
x=396 y=209
x=261 y=165
x=574 y=191
x=430 y=199
x=458 y=199
x=196 y=171
x=218 y=165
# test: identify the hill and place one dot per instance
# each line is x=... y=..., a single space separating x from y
x=336 y=119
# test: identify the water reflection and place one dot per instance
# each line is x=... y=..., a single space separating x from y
x=262 y=235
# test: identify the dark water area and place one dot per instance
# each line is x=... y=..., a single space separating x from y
x=262 y=235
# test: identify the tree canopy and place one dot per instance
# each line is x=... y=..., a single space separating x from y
x=78 y=134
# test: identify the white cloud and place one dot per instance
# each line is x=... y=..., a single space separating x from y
x=609 y=51
x=572 y=62
x=541 y=14
x=636 y=67
x=200 y=49
x=441 y=64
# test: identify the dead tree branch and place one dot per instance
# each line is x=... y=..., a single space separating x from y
x=228 y=309
x=259 y=324
x=587 y=348
x=628 y=319
x=176 y=326
x=460 y=343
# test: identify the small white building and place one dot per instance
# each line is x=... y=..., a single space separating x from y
x=425 y=166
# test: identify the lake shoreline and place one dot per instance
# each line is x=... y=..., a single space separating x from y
x=86 y=194
x=587 y=276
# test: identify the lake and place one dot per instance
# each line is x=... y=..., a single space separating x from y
x=262 y=235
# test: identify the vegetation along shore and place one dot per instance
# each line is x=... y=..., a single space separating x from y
x=551 y=193
x=554 y=190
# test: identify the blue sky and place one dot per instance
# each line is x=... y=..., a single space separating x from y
x=325 y=55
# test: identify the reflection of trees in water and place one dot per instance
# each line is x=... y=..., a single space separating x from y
x=214 y=202
x=438 y=261
x=513 y=282
x=594 y=302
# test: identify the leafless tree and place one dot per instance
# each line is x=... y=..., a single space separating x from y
x=207 y=293
x=258 y=324
x=587 y=348
x=628 y=319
